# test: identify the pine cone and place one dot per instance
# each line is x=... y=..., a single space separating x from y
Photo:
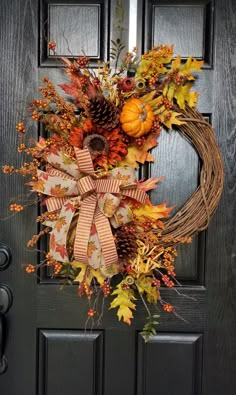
x=103 y=113
x=125 y=244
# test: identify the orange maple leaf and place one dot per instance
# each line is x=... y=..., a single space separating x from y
x=140 y=155
x=37 y=185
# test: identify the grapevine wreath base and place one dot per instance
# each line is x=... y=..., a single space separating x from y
x=197 y=212
x=105 y=234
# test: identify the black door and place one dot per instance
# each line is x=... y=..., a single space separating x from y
x=47 y=349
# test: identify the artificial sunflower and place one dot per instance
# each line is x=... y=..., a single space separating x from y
x=106 y=147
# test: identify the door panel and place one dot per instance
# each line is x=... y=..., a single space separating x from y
x=48 y=349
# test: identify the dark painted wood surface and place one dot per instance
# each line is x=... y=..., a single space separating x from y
x=48 y=350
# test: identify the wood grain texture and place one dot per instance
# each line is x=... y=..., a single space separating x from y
x=65 y=20
x=184 y=27
x=221 y=246
x=77 y=26
x=18 y=70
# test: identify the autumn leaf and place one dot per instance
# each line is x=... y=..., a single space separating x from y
x=150 y=142
x=124 y=301
x=144 y=286
x=70 y=89
x=183 y=94
x=130 y=159
x=60 y=222
x=141 y=155
x=150 y=183
x=188 y=67
x=154 y=212
x=79 y=265
x=37 y=185
x=169 y=118
x=87 y=273
x=61 y=248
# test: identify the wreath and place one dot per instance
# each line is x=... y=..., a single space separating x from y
x=105 y=233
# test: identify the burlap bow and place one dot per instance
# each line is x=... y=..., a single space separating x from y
x=93 y=194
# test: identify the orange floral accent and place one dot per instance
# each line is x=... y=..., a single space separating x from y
x=117 y=149
x=76 y=137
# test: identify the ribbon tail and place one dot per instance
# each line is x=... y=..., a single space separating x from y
x=58 y=235
x=84 y=224
x=106 y=238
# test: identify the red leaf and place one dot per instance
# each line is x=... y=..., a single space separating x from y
x=70 y=89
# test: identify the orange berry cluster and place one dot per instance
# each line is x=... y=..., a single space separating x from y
x=167 y=281
x=21 y=148
x=16 y=207
x=83 y=61
x=91 y=312
x=125 y=287
x=29 y=268
x=35 y=115
x=156 y=283
x=168 y=307
x=156 y=126
x=47 y=216
x=140 y=141
x=106 y=289
x=8 y=169
x=35 y=238
x=84 y=288
x=57 y=268
x=20 y=127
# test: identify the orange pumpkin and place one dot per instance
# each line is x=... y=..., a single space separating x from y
x=136 y=118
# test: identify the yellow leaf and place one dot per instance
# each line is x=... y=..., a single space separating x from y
x=172 y=120
x=183 y=94
x=124 y=301
x=188 y=67
x=87 y=273
x=140 y=155
x=81 y=276
x=130 y=159
x=144 y=285
x=154 y=212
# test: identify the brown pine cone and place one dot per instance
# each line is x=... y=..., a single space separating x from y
x=103 y=113
x=125 y=244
